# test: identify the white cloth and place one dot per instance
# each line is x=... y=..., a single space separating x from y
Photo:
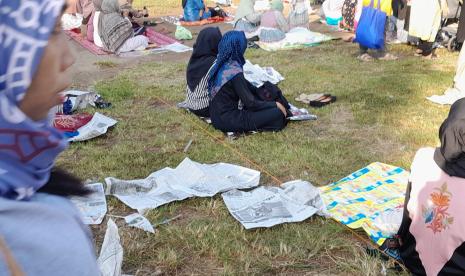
x=97 y=39
x=333 y=8
x=425 y=19
x=70 y=21
x=136 y=43
x=458 y=90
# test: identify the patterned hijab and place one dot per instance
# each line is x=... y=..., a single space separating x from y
x=229 y=61
x=27 y=148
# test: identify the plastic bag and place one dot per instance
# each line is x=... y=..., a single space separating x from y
x=370 y=29
x=182 y=33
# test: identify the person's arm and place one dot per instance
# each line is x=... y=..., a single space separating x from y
x=242 y=89
x=282 y=22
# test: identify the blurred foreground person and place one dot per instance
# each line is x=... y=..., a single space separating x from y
x=432 y=234
x=41 y=232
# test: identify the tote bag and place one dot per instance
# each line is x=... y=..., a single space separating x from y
x=370 y=29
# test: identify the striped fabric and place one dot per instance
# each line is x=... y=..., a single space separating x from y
x=199 y=98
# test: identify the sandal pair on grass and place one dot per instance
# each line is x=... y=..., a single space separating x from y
x=316 y=100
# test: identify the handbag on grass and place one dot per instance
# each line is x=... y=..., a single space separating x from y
x=370 y=29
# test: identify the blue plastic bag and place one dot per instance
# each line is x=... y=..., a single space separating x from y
x=371 y=27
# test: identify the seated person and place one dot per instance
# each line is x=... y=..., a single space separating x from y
x=432 y=234
x=40 y=228
x=273 y=24
x=234 y=106
x=115 y=32
x=130 y=14
x=246 y=19
x=202 y=59
x=195 y=10
x=298 y=17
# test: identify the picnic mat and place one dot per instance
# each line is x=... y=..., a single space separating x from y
x=358 y=199
x=211 y=20
x=296 y=38
x=86 y=43
x=159 y=38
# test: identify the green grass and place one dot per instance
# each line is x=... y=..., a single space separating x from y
x=381 y=115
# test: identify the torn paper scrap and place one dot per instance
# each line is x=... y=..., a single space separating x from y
x=111 y=253
x=187 y=180
x=97 y=126
x=138 y=221
x=269 y=206
x=94 y=206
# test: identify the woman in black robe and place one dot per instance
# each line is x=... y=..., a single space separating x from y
x=202 y=59
x=235 y=105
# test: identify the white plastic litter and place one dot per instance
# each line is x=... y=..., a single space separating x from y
x=111 y=253
x=93 y=207
x=295 y=201
x=97 y=126
x=187 y=180
x=388 y=222
x=258 y=75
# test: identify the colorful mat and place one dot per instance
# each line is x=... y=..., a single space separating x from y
x=211 y=20
x=358 y=199
x=86 y=43
x=159 y=38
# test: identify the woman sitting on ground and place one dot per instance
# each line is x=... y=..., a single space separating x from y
x=195 y=10
x=246 y=19
x=114 y=31
x=41 y=231
x=273 y=24
x=432 y=236
x=202 y=59
x=298 y=17
x=234 y=105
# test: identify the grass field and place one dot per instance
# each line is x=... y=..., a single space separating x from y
x=381 y=115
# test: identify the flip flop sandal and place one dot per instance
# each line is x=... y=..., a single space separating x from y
x=388 y=57
x=303 y=98
x=365 y=58
x=323 y=102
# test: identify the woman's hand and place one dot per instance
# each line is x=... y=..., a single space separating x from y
x=282 y=108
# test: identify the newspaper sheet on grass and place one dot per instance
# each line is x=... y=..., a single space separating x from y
x=111 y=253
x=189 y=179
x=93 y=207
x=97 y=126
x=294 y=201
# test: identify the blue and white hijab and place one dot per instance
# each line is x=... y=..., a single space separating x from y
x=229 y=62
x=27 y=148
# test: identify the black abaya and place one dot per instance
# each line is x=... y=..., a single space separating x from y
x=255 y=114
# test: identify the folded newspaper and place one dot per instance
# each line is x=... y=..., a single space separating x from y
x=187 y=180
x=97 y=126
x=111 y=253
x=93 y=207
x=267 y=206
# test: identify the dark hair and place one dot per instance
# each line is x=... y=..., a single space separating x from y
x=62 y=183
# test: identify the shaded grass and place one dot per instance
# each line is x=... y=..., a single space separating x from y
x=381 y=115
